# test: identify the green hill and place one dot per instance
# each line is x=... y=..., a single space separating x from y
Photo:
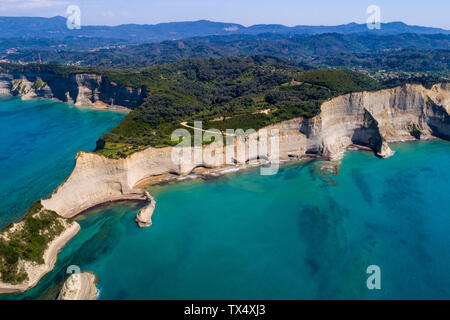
x=225 y=93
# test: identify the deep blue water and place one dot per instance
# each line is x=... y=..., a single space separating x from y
x=38 y=143
x=303 y=233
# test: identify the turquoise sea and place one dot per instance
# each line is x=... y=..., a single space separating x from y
x=304 y=233
x=39 y=140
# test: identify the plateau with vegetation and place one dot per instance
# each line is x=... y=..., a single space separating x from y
x=330 y=109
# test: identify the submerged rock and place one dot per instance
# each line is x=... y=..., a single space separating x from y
x=361 y=118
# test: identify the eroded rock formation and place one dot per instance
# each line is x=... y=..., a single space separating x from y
x=366 y=118
x=79 y=286
x=83 y=89
x=371 y=119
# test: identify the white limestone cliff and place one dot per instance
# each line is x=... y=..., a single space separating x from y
x=365 y=118
x=79 y=286
x=81 y=89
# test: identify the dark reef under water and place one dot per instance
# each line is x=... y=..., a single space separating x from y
x=293 y=235
x=304 y=233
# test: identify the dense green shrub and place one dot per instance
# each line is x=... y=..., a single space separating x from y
x=28 y=243
x=232 y=89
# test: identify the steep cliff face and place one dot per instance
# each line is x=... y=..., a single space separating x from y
x=5 y=84
x=366 y=118
x=373 y=118
x=82 y=89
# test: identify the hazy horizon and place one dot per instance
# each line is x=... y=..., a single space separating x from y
x=228 y=22
x=250 y=12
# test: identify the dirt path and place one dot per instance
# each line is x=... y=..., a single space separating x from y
x=184 y=124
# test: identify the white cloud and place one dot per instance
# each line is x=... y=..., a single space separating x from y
x=9 y=5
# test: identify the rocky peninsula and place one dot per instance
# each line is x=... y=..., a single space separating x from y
x=365 y=118
x=81 y=89
x=370 y=119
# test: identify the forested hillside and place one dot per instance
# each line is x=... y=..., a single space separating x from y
x=299 y=48
x=224 y=93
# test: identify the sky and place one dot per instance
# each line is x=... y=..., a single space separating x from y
x=432 y=13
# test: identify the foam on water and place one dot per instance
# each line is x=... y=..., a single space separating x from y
x=302 y=233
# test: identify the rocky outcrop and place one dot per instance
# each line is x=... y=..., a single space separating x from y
x=144 y=217
x=79 y=286
x=364 y=118
x=83 y=89
x=370 y=119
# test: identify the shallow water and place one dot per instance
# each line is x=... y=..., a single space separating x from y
x=303 y=233
x=39 y=140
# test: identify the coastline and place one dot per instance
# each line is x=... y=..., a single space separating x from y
x=50 y=255
x=80 y=286
x=90 y=89
x=212 y=173
x=99 y=106
x=36 y=272
x=97 y=180
x=138 y=196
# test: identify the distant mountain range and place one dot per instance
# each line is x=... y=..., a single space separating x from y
x=396 y=47
x=299 y=48
x=55 y=28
